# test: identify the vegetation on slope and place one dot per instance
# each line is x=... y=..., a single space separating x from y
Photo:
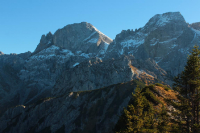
x=147 y=111
x=164 y=110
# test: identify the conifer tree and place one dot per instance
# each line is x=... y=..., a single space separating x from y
x=131 y=119
x=188 y=86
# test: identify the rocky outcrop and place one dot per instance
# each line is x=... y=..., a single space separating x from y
x=45 y=42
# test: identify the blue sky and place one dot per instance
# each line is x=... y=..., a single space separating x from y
x=22 y=22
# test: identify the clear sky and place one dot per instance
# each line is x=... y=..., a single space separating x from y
x=23 y=22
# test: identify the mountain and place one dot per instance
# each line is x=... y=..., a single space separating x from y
x=78 y=76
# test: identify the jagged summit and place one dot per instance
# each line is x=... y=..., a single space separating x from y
x=75 y=37
x=1 y=53
x=45 y=41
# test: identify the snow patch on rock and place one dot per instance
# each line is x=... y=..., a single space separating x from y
x=51 y=52
x=93 y=40
x=162 y=20
x=153 y=41
x=85 y=55
x=132 y=42
x=89 y=36
x=168 y=41
x=196 y=31
x=75 y=64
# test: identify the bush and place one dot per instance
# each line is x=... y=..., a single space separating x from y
x=164 y=86
x=151 y=97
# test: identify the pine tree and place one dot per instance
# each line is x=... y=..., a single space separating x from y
x=188 y=86
x=131 y=119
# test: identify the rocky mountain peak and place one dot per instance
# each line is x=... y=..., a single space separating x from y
x=45 y=41
x=82 y=37
x=161 y=20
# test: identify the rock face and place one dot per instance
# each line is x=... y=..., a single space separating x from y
x=95 y=73
x=80 y=58
x=10 y=83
